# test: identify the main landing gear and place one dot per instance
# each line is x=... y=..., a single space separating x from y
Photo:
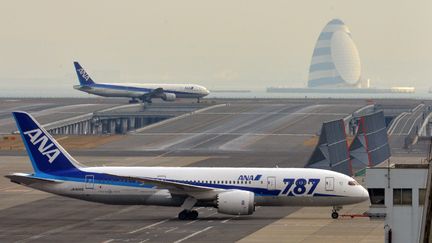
x=335 y=213
x=133 y=101
x=188 y=214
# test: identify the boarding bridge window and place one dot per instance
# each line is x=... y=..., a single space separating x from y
x=377 y=196
x=422 y=196
x=402 y=196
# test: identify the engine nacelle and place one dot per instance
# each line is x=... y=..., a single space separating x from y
x=168 y=96
x=236 y=202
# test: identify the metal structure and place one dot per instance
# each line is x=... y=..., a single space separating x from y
x=332 y=149
x=370 y=145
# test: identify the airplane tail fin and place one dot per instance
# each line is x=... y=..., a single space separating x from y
x=46 y=155
x=83 y=77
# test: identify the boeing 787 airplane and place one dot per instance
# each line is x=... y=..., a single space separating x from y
x=234 y=191
x=144 y=92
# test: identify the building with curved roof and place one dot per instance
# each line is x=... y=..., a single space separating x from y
x=335 y=60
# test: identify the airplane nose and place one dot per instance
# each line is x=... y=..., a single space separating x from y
x=365 y=194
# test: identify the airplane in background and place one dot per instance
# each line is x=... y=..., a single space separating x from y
x=144 y=92
x=233 y=191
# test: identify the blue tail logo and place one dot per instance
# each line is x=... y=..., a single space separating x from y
x=45 y=147
x=83 y=76
x=47 y=156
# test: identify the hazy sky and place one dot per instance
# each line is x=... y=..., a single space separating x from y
x=219 y=44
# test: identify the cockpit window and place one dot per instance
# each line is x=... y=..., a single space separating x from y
x=353 y=183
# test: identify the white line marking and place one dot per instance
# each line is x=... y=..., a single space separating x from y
x=224 y=133
x=414 y=123
x=191 y=222
x=70 y=226
x=148 y=226
x=193 y=234
x=395 y=123
x=226 y=220
x=174 y=228
x=144 y=240
x=108 y=241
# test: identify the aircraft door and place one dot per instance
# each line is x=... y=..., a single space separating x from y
x=89 y=182
x=271 y=183
x=329 y=183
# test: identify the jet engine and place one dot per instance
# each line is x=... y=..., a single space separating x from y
x=168 y=96
x=236 y=202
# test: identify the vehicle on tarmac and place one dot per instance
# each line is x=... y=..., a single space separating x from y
x=138 y=91
x=234 y=191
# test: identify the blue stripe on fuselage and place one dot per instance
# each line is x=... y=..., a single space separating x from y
x=104 y=179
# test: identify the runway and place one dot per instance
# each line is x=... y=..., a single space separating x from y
x=238 y=134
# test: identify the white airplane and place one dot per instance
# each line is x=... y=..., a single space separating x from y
x=234 y=191
x=144 y=92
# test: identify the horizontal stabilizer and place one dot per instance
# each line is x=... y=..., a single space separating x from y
x=27 y=179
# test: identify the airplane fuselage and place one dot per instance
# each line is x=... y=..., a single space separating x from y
x=270 y=186
x=234 y=191
x=137 y=90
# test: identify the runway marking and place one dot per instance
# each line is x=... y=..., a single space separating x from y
x=193 y=234
x=191 y=222
x=144 y=240
x=172 y=229
x=148 y=226
x=70 y=226
x=223 y=133
x=9 y=188
x=108 y=241
x=53 y=231
x=226 y=220
x=16 y=190
x=277 y=113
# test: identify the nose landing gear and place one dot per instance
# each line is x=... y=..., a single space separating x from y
x=335 y=213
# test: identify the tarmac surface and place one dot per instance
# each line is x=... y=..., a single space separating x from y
x=244 y=133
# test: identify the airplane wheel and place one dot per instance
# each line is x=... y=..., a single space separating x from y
x=335 y=215
x=193 y=214
x=183 y=215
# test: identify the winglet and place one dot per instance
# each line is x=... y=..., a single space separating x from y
x=83 y=77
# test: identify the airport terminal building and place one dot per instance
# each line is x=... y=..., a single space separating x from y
x=335 y=60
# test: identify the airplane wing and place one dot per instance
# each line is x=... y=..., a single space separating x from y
x=156 y=93
x=177 y=187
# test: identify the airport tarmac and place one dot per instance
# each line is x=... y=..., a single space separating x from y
x=263 y=133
